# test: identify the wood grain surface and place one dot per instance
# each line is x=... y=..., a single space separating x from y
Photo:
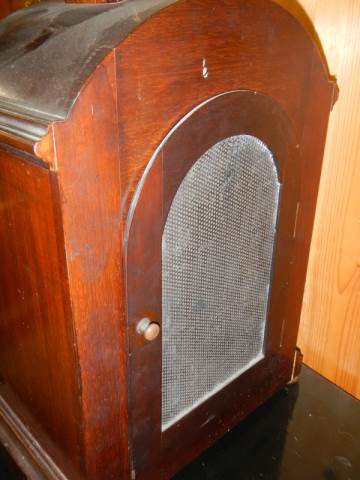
x=37 y=358
x=330 y=325
x=265 y=51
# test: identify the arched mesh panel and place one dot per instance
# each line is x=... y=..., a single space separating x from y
x=217 y=256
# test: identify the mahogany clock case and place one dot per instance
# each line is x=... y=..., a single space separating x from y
x=142 y=144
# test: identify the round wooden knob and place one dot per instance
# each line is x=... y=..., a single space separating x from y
x=149 y=329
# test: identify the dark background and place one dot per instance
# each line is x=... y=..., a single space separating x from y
x=309 y=431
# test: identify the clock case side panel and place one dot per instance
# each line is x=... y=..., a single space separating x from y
x=40 y=414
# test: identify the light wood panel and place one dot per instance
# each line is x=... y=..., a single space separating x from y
x=330 y=325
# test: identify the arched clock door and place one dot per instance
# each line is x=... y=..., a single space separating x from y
x=209 y=253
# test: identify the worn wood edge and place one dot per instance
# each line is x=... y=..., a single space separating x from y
x=40 y=153
x=5 y=147
x=34 y=137
x=296 y=366
x=28 y=137
x=45 y=150
x=21 y=131
x=335 y=92
x=25 y=450
x=44 y=147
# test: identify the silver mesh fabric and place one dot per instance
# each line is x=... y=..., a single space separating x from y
x=217 y=256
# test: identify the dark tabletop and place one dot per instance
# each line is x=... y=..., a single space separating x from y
x=309 y=431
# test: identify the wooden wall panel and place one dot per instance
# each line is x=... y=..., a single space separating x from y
x=330 y=325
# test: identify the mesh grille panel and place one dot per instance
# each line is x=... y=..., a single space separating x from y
x=217 y=255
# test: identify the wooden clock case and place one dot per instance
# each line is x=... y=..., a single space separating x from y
x=103 y=110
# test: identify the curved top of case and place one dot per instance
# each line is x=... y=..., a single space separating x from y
x=47 y=51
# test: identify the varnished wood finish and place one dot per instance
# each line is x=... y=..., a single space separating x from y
x=37 y=354
x=30 y=445
x=99 y=395
x=142 y=271
x=88 y=172
x=240 y=62
x=22 y=134
x=4 y=9
x=242 y=112
x=9 y=6
x=294 y=95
